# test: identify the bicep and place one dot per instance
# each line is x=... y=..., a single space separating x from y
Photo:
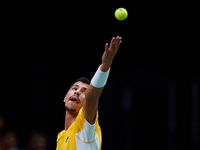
x=90 y=106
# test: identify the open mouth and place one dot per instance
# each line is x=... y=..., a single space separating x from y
x=75 y=99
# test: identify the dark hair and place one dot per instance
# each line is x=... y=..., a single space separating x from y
x=83 y=79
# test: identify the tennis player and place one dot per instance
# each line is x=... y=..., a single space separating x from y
x=82 y=130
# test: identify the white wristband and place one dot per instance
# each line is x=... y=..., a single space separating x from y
x=100 y=78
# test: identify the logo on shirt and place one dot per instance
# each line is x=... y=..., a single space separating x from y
x=67 y=139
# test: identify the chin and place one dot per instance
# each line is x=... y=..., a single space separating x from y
x=69 y=109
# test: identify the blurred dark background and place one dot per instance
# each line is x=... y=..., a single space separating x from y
x=151 y=99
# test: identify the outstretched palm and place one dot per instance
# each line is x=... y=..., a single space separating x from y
x=110 y=51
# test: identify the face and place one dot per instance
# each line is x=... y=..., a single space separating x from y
x=75 y=97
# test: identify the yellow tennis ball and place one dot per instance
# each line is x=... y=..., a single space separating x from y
x=121 y=14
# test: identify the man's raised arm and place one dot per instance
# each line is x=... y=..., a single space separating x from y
x=99 y=80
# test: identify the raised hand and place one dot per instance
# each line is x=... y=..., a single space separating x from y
x=110 y=53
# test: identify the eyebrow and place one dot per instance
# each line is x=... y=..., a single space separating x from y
x=76 y=85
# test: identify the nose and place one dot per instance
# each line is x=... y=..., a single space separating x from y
x=77 y=92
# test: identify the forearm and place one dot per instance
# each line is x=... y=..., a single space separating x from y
x=92 y=95
x=97 y=83
x=94 y=91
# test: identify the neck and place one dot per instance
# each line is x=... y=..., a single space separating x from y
x=69 y=119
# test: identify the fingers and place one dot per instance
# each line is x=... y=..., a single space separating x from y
x=114 y=43
x=106 y=47
x=118 y=41
x=111 y=50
